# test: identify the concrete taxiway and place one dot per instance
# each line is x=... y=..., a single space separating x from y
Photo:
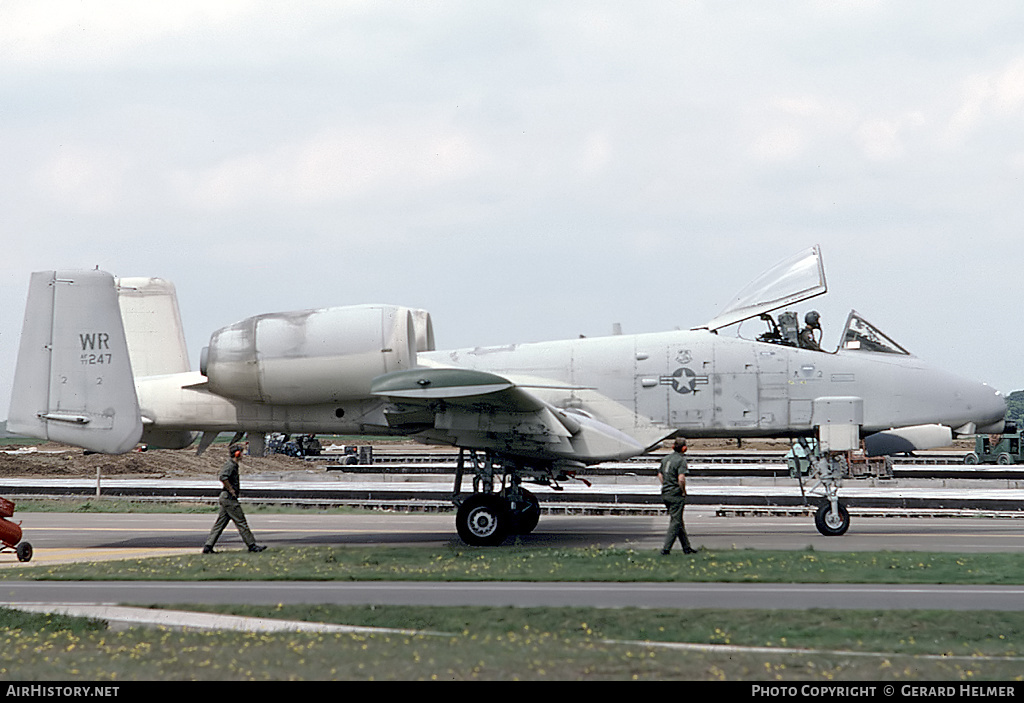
x=521 y=594
x=62 y=537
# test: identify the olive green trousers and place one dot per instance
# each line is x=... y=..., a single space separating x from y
x=676 y=527
x=230 y=509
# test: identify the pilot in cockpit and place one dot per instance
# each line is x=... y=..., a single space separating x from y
x=806 y=338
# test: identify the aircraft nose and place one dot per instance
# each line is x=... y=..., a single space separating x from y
x=990 y=408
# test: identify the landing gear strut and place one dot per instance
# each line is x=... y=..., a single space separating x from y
x=498 y=506
x=832 y=518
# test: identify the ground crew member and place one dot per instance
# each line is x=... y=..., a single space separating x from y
x=230 y=508
x=672 y=474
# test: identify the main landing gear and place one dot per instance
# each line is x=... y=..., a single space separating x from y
x=499 y=506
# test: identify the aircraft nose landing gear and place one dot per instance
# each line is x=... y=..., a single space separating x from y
x=832 y=521
x=829 y=468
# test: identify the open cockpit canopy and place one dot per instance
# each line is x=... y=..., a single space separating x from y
x=798 y=278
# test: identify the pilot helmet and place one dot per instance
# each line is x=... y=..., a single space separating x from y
x=812 y=319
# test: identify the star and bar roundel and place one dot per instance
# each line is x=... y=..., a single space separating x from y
x=683 y=380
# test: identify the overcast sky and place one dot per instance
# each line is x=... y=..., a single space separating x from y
x=525 y=171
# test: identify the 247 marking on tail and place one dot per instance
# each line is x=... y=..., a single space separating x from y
x=94 y=342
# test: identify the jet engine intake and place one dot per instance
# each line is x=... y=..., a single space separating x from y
x=314 y=356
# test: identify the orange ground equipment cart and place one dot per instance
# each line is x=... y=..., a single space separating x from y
x=10 y=533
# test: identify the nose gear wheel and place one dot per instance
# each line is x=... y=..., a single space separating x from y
x=832 y=523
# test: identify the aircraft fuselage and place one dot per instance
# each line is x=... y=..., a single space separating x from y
x=699 y=383
x=708 y=385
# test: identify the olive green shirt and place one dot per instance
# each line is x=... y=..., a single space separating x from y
x=672 y=466
x=229 y=473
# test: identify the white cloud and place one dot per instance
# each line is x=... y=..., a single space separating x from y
x=1008 y=91
x=779 y=144
x=884 y=139
x=596 y=153
x=791 y=125
x=552 y=132
x=84 y=179
x=985 y=97
x=335 y=165
x=71 y=32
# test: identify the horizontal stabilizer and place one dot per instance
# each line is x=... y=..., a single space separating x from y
x=73 y=382
x=152 y=325
x=907 y=439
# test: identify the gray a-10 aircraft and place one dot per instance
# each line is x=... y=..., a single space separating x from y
x=103 y=365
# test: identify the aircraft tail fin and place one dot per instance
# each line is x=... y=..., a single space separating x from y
x=73 y=382
x=152 y=326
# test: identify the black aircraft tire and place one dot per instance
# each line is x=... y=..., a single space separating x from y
x=483 y=520
x=527 y=518
x=826 y=522
x=24 y=551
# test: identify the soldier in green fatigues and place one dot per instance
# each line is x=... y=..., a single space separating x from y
x=672 y=474
x=230 y=508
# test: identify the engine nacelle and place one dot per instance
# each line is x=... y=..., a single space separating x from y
x=314 y=356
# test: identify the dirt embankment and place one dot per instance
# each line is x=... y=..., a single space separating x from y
x=60 y=461
x=57 y=461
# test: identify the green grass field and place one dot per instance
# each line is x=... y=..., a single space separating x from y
x=513 y=563
x=539 y=643
x=531 y=644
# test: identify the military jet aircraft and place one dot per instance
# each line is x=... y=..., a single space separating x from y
x=103 y=365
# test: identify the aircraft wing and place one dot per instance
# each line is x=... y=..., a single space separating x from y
x=481 y=410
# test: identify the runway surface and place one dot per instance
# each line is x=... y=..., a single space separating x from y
x=83 y=536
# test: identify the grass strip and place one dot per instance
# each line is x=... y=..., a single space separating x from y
x=530 y=643
x=549 y=564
